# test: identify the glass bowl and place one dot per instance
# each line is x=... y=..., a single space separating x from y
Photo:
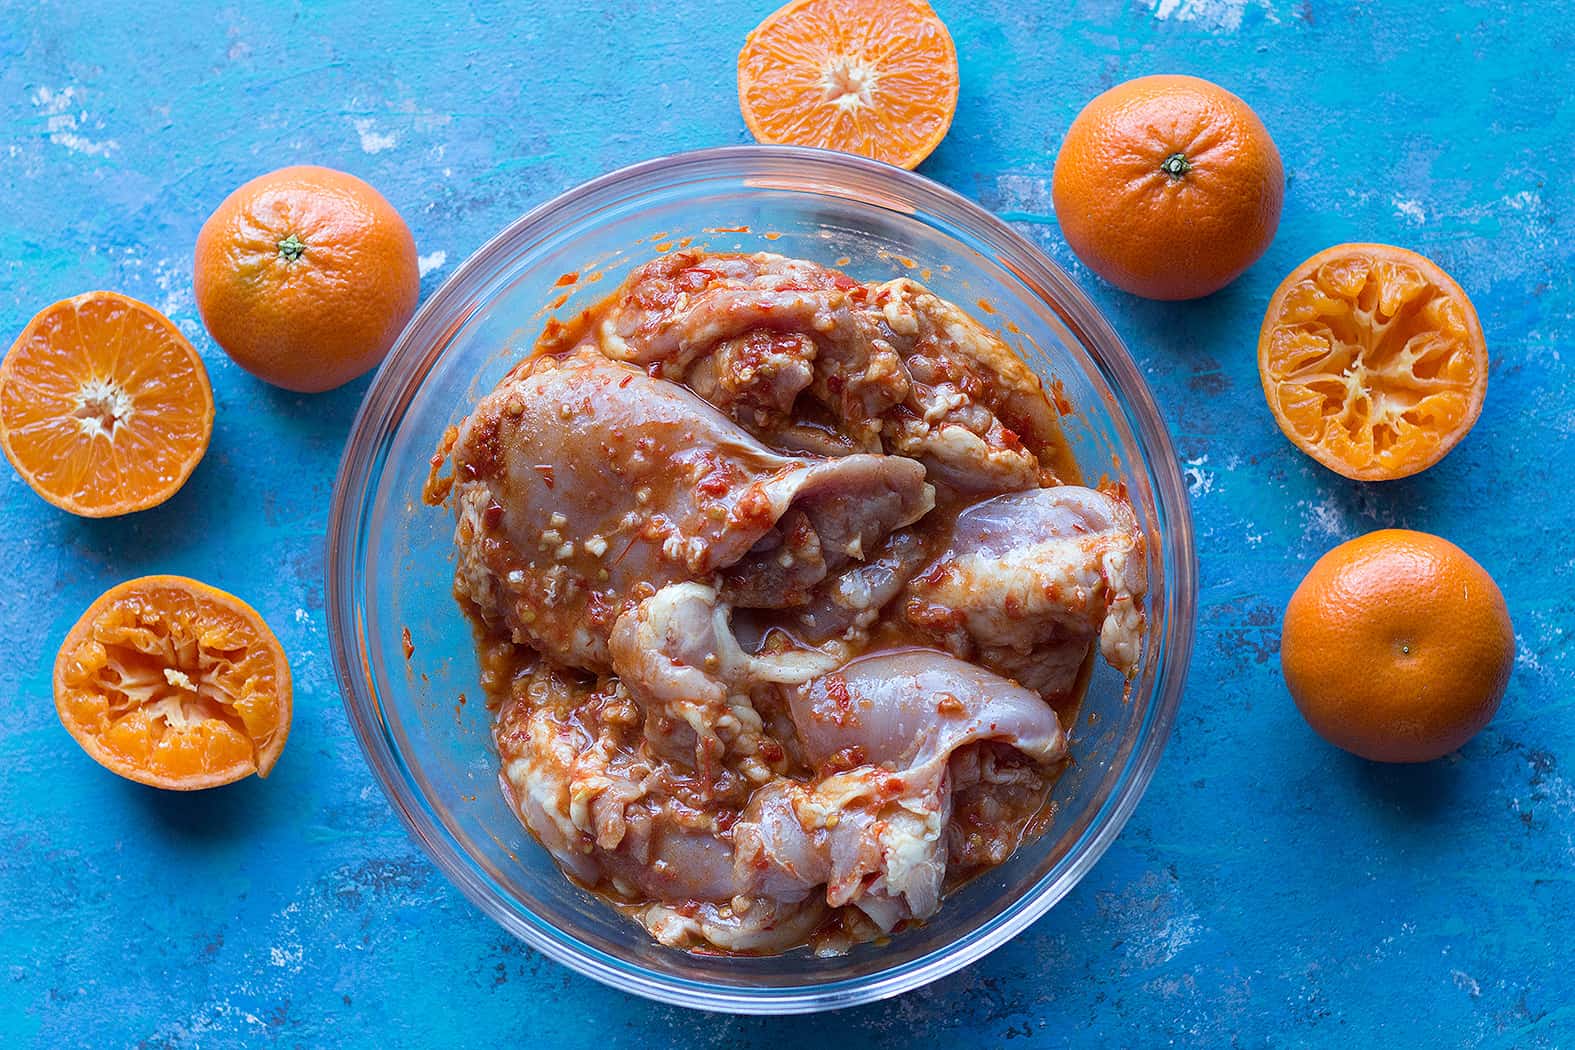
x=420 y=717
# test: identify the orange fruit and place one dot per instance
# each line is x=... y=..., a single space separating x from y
x=1397 y=646
x=1168 y=187
x=173 y=683
x=105 y=408
x=872 y=77
x=306 y=276
x=1373 y=361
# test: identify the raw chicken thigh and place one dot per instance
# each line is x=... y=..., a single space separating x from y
x=584 y=484
x=875 y=835
x=779 y=593
x=806 y=357
x=1028 y=579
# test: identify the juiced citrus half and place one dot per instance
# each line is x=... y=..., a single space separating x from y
x=173 y=683
x=1373 y=361
x=105 y=407
x=872 y=77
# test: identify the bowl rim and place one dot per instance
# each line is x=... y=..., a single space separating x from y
x=417 y=350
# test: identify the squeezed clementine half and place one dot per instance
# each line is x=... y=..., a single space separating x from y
x=105 y=408
x=1168 y=187
x=872 y=77
x=175 y=684
x=1397 y=646
x=305 y=277
x=1372 y=361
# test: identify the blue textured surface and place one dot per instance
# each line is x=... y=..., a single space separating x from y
x=1269 y=890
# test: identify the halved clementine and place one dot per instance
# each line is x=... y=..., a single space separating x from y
x=872 y=77
x=173 y=683
x=1373 y=361
x=105 y=407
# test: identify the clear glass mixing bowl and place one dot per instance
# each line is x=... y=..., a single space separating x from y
x=390 y=557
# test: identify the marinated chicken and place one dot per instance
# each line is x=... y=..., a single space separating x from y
x=785 y=591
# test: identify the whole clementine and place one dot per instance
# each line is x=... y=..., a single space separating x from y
x=1397 y=646
x=1168 y=187
x=305 y=276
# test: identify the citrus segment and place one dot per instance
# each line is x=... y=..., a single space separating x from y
x=1373 y=361
x=873 y=77
x=105 y=407
x=172 y=683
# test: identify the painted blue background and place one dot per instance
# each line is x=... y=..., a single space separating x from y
x=1269 y=890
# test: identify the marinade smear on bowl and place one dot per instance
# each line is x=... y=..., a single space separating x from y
x=784 y=587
